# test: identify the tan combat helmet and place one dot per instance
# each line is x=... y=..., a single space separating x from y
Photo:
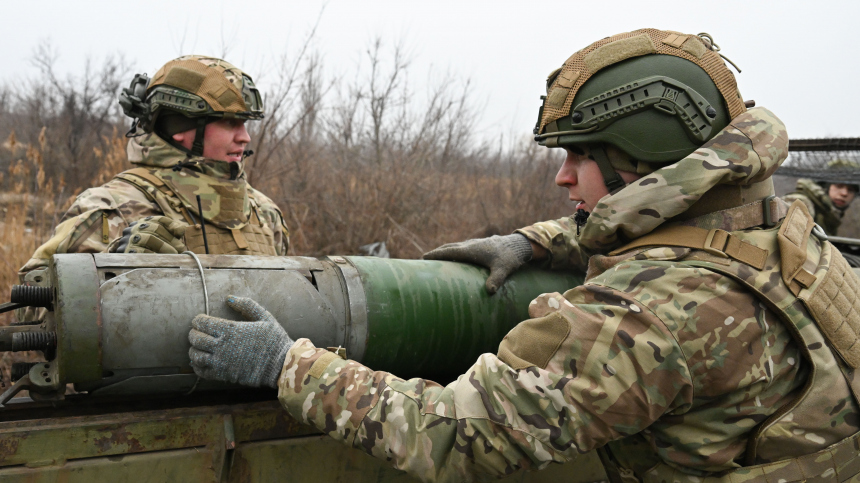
x=655 y=95
x=190 y=92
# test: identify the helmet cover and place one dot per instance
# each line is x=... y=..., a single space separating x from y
x=195 y=86
x=657 y=95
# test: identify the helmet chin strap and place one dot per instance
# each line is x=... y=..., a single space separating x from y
x=197 y=147
x=613 y=181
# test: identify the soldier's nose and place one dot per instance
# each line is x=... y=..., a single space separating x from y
x=241 y=135
x=566 y=175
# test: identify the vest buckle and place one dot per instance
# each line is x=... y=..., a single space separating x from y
x=766 y=211
x=722 y=239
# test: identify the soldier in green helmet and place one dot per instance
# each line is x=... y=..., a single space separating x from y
x=714 y=340
x=188 y=139
x=827 y=200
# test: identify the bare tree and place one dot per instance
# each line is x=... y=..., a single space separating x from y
x=78 y=113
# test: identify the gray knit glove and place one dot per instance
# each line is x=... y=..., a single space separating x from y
x=249 y=353
x=501 y=254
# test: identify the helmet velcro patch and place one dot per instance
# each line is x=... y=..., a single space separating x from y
x=619 y=50
x=224 y=95
x=687 y=43
x=676 y=40
x=185 y=79
x=557 y=96
x=695 y=47
x=567 y=79
x=564 y=81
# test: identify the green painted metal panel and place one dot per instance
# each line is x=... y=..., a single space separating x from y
x=435 y=318
x=265 y=421
x=320 y=458
x=249 y=442
x=312 y=458
x=87 y=437
x=185 y=465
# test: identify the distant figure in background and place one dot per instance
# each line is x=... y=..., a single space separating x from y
x=826 y=201
x=188 y=139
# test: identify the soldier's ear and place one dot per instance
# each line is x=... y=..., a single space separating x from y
x=185 y=138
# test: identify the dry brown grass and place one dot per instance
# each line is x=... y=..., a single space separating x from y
x=30 y=205
x=412 y=209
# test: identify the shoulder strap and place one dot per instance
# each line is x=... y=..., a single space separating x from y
x=736 y=200
x=254 y=217
x=145 y=174
x=792 y=238
x=135 y=175
x=766 y=212
x=716 y=242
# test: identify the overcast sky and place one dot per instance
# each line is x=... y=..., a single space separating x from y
x=798 y=57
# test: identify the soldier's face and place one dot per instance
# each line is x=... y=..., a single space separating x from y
x=581 y=176
x=223 y=140
x=841 y=194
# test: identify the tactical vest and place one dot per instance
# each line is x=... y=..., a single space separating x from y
x=810 y=286
x=237 y=230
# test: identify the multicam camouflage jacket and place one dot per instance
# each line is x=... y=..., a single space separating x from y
x=661 y=359
x=817 y=201
x=167 y=182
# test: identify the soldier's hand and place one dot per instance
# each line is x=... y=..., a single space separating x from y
x=250 y=353
x=501 y=254
x=153 y=234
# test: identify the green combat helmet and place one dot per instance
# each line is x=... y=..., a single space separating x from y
x=843 y=164
x=836 y=171
x=655 y=95
x=190 y=92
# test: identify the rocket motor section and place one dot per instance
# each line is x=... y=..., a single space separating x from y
x=117 y=324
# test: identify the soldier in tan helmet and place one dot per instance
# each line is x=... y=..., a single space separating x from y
x=714 y=340
x=188 y=140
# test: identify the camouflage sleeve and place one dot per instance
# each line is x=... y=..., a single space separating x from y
x=97 y=216
x=559 y=239
x=578 y=374
x=275 y=218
